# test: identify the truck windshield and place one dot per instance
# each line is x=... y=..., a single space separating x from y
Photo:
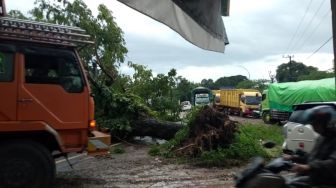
x=202 y=100
x=252 y=100
x=54 y=68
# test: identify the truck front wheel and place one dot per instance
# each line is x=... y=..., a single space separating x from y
x=266 y=117
x=25 y=164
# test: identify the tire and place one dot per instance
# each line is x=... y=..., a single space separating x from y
x=26 y=164
x=266 y=117
x=241 y=114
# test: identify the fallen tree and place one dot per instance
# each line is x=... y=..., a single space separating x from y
x=154 y=128
x=208 y=130
x=212 y=139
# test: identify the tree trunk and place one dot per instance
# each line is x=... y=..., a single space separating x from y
x=157 y=129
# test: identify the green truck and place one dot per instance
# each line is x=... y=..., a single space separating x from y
x=278 y=99
x=201 y=96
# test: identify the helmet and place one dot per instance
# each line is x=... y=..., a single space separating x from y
x=323 y=115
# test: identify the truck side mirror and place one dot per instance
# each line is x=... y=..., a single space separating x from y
x=242 y=98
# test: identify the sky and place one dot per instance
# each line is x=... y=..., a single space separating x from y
x=261 y=33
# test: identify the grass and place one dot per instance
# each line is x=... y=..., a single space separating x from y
x=247 y=144
x=117 y=150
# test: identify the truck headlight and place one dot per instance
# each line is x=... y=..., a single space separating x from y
x=285 y=127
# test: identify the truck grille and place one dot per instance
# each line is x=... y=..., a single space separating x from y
x=279 y=115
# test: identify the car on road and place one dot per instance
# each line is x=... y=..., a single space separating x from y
x=298 y=135
x=185 y=105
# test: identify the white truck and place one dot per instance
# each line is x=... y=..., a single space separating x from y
x=298 y=135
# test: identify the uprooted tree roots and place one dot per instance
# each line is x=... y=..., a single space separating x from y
x=209 y=130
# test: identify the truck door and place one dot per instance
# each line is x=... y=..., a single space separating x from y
x=52 y=90
x=8 y=84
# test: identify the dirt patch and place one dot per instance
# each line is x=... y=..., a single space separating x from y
x=247 y=120
x=135 y=168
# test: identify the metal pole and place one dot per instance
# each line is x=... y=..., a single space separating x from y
x=3 y=8
x=245 y=69
x=333 y=10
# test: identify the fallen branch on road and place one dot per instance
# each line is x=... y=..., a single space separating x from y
x=209 y=130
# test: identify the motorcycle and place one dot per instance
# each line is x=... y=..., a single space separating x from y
x=259 y=175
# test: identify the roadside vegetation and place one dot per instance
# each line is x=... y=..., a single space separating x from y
x=117 y=150
x=246 y=143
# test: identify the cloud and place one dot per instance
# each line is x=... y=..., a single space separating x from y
x=257 y=69
x=259 y=32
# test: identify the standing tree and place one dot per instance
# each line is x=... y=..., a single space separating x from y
x=316 y=75
x=290 y=72
x=260 y=84
x=184 y=88
x=230 y=81
x=142 y=82
x=208 y=83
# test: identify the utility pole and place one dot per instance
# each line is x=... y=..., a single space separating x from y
x=290 y=65
x=3 y=8
x=290 y=56
x=272 y=76
x=333 y=18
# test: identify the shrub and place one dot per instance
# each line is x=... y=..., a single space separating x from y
x=118 y=150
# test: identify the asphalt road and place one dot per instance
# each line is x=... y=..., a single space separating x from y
x=63 y=166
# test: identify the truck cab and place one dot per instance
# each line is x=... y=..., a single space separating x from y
x=249 y=102
x=46 y=105
x=201 y=96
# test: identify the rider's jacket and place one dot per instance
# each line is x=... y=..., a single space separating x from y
x=322 y=161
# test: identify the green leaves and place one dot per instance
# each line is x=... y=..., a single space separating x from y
x=230 y=81
x=296 y=71
x=260 y=84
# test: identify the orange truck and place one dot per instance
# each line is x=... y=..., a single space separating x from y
x=46 y=105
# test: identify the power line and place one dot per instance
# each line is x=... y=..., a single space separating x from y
x=310 y=22
x=315 y=29
x=297 y=29
x=320 y=47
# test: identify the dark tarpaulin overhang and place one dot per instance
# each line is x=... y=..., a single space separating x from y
x=198 y=21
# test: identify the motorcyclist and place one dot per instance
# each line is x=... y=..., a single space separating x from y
x=317 y=169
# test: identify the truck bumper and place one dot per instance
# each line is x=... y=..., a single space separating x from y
x=99 y=143
x=256 y=113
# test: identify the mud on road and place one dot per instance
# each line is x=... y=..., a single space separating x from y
x=135 y=168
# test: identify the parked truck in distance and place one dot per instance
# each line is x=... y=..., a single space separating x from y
x=46 y=104
x=237 y=101
x=201 y=96
x=279 y=98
